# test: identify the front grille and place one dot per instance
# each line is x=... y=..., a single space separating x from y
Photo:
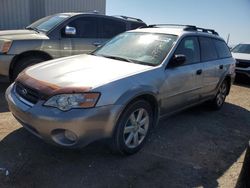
x=27 y=93
x=242 y=64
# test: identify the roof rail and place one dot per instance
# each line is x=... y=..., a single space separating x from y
x=128 y=18
x=184 y=27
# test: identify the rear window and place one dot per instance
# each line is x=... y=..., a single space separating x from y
x=222 y=49
x=208 y=51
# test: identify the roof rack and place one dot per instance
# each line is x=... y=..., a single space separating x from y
x=128 y=18
x=184 y=27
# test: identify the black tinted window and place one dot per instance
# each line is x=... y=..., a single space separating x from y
x=111 y=28
x=135 y=25
x=208 y=51
x=222 y=49
x=189 y=47
x=85 y=28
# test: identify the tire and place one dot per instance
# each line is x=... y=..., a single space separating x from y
x=23 y=64
x=130 y=136
x=220 y=97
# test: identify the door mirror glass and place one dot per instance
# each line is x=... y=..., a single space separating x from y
x=70 y=30
x=177 y=60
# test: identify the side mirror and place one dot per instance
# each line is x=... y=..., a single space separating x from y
x=177 y=60
x=70 y=30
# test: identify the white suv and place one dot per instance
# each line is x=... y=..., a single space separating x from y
x=241 y=53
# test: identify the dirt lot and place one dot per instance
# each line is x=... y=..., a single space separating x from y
x=195 y=148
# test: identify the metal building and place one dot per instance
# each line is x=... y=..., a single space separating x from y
x=16 y=14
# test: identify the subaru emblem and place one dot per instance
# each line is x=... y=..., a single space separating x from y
x=24 y=91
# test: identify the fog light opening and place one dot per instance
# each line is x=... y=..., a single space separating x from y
x=70 y=136
x=64 y=137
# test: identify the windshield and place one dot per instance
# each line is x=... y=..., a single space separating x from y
x=48 y=23
x=135 y=47
x=242 y=48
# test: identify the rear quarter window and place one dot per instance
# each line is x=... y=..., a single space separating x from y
x=135 y=25
x=222 y=49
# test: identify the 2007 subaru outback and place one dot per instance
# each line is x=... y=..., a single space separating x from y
x=122 y=89
x=59 y=35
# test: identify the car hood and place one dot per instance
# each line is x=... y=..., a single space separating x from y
x=241 y=56
x=83 y=71
x=21 y=35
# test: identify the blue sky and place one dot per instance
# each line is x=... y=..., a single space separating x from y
x=225 y=16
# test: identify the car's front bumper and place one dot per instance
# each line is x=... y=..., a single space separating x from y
x=244 y=71
x=5 y=61
x=50 y=124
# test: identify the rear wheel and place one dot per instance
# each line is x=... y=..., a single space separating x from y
x=24 y=63
x=220 y=97
x=133 y=128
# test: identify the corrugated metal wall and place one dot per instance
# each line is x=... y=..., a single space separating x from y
x=55 y=6
x=15 y=14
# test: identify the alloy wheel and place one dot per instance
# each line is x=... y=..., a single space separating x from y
x=136 y=128
x=222 y=93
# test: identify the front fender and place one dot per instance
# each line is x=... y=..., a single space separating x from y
x=135 y=92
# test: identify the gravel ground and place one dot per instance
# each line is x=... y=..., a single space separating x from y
x=195 y=148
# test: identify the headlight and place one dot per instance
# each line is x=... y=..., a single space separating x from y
x=5 y=46
x=66 y=102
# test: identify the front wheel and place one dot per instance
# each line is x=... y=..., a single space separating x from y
x=24 y=63
x=220 y=97
x=133 y=128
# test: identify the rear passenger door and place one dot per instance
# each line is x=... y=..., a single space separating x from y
x=212 y=65
x=183 y=84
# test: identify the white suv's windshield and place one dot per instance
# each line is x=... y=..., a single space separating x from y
x=135 y=47
x=48 y=23
x=242 y=48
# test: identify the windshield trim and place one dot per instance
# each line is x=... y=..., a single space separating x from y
x=55 y=26
x=238 y=51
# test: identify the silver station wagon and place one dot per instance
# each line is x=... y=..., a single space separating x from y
x=122 y=89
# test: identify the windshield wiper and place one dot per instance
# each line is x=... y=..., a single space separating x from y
x=33 y=28
x=117 y=58
x=123 y=59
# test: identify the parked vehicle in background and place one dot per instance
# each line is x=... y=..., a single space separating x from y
x=59 y=35
x=241 y=53
x=121 y=90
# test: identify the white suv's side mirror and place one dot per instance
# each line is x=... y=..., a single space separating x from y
x=70 y=30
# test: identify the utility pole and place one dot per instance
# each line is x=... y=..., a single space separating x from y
x=228 y=38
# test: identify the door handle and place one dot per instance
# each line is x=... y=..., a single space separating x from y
x=97 y=44
x=221 y=66
x=198 y=72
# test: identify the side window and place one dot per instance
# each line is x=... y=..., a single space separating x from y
x=208 y=51
x=111 y=28
x=135 y=25
x=222 y=49
x=85 y=28
x=189 y=47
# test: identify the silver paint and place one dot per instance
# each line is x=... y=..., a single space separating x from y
x=119 y=83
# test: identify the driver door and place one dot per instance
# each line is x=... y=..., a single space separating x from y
x=183 y=83
x=85 y=39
